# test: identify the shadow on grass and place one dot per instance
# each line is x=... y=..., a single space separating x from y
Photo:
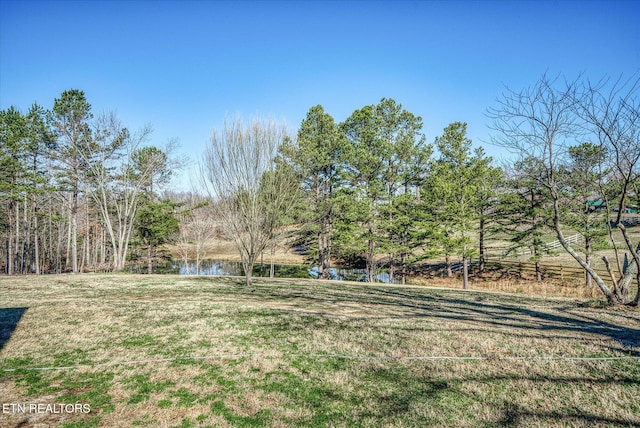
x=449 y=394
x=9 y=319
x=400 y=392
x=499 y=311
x=515 y=416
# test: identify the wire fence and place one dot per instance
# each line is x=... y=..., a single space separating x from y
x=336 y=356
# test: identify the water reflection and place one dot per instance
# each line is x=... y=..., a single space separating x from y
x=219 y=267
x=348 y=274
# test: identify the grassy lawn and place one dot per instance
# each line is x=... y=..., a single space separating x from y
x=186 y=352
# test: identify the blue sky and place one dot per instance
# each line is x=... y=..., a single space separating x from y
x=182 y=66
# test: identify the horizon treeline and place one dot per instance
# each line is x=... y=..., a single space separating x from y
x=79 y=192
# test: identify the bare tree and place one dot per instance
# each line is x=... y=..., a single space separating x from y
x=249 y=194
x=541 y=122
x=197 y=231
x=121 y=169
x=611 y=112
x=202 y=230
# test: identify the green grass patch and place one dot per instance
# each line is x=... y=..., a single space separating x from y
x=143 y=387
x=260 y=419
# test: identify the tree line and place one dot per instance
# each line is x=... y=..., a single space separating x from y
x=371 y=191
x=374 y=192
x=76 y=190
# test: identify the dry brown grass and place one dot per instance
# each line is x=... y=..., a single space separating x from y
x=517 y=285
x=220 y=249
x=288 y=330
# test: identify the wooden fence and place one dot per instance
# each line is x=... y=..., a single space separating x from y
x=548 y=270
x=505 y=250
x=514 y=267
x=631 y=221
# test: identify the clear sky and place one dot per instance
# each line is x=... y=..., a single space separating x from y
x=182 y=66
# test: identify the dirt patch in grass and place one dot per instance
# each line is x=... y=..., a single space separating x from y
x=181 y=351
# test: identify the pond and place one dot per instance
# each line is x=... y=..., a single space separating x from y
x=219 y=267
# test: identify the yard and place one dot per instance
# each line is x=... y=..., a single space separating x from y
x=153 y=350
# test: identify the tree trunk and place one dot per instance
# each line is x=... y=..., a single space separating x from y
x=392 y=256
x=67 y=249
x=248 y=272
x=103 y=250
x=403 y=260
x=18 y=266
x=371 y=262
x=272 y=268
x=59 y=249
x=74 y=233
x=149 y=260
x=465 y=273
x=83 y=252
x=10 y=239
x=87 y=255
x=327 y=246
x=481 y=245
x=51 y=255
x=447 y=260
x=36 y=248
x=587 y=251
x=538 y=271
x=322 y=274
x=27 y=257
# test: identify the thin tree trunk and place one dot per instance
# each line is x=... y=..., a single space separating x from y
x=27 y=259
x=149 y=260
x=481 y=244
x=74 y=233
x=371 y=263
x=68 y=248
x=10 y=239
x=197 y=259
x=321 y=238
x=322 y=274
x=329 y=242
x=36 y=248
x=49 y=246
x=17 y=268
x=262 y=263
x=87 y=236
x=272 y=270
x=465 y=273
x=103 y=246
x=392 y=256
x=587 y=276
x=59 y=249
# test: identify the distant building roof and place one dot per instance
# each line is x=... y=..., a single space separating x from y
x=596 y=203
